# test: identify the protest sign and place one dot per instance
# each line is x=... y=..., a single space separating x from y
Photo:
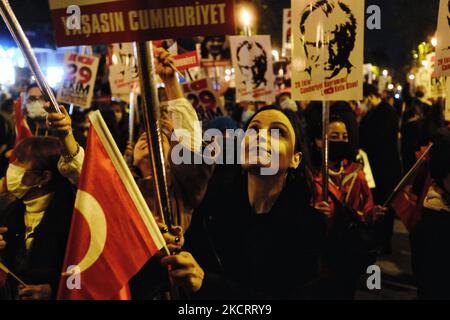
x=328 y=43
x=253 y=65
x=79 y=79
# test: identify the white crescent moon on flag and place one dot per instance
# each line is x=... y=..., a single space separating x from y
x=91 y=210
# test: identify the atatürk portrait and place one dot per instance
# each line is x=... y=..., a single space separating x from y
x=328 y=36
x=252 y=62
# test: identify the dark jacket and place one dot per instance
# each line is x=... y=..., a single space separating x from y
x=379 y=138
x=247 y=255
x=430 y=243
x=42 y=264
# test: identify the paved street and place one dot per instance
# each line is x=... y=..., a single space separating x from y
x=396 y=282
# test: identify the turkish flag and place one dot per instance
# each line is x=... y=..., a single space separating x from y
x=408 y=201
x=22 y=129
x=113 y=233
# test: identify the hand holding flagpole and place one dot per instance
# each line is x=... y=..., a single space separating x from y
x=22 y=42
x=7 y=271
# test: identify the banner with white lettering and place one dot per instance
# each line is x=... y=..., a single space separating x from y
x=328 y=43
x=112 y=21
x=79 y=79
x=443 y=40
x=123 y=71
x=253 y=65
x=186 y=60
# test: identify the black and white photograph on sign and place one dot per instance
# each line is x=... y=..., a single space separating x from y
x=252 y=61
x=215 y=48
x=328 y=49
x=443 y=40
x=123 y=71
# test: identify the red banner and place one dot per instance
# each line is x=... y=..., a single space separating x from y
x=186 y=60
x=113 y=21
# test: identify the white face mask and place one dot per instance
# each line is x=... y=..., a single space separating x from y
x=36 y=109
x=289 y=104
x=14 y=176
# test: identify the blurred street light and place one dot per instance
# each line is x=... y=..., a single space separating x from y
x=246 y=19
x=434 y=42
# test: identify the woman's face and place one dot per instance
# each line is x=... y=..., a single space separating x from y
x=337 y=131
x=270 y=142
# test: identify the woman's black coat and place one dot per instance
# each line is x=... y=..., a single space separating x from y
x=247 y=255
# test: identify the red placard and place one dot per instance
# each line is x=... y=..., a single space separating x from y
x=115 y=21
x=186 y=60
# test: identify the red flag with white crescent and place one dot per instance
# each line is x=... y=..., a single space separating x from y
x=113 y=233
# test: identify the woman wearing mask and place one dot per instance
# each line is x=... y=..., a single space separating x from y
x=350 y=205
x=233 y=248
x=35 y=112
x=35 y=227
x=347 y=182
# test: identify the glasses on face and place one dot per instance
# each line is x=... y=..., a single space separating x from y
x=31 y=99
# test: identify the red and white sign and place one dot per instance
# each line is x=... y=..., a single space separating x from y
x=79 y=79
x=112 y=21
x=187 y=60
x=109 y=241
x=204 y=99
x=443 y=40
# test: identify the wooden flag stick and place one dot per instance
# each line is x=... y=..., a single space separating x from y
x=7 y=271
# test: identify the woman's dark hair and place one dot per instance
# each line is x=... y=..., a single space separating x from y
x=43 y=152
x=301 y=176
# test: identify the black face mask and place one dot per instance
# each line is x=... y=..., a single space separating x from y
x=338 y=151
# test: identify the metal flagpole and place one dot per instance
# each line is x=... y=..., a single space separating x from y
x=406 y=178
x=22 y=42
x=325 y=145
x=152 y=126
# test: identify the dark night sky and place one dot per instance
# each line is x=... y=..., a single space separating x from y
x=405 y=23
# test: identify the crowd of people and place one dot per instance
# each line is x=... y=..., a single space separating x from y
x=238 y=234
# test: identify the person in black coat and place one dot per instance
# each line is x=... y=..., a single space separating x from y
x=36 y=226
x=430 y=240
x=379 y=130
x=242 y=232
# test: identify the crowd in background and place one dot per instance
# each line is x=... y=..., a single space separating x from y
x=239 y=235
